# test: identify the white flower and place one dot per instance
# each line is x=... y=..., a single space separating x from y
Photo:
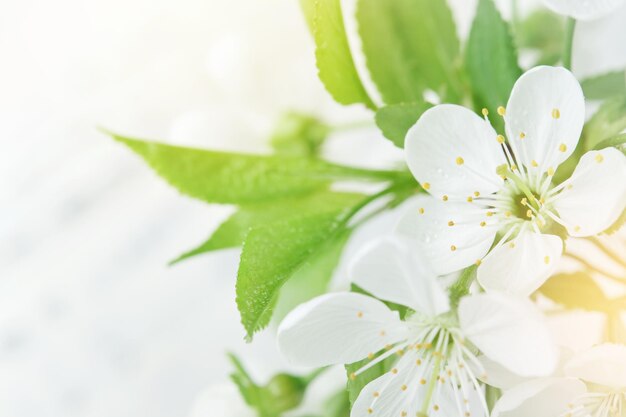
x=592 y=384
x=437 y=366
x=584 y=9
x=461 y=160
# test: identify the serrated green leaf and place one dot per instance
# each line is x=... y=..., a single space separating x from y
x=575 y=291
x=271 y=255
x=233 y=231
x=604 y=86
x=335 y=65
x=491 y=60
x=312 y=278
x=409 y=46
x=608 y=121
x=232 y=178
x=395 y=120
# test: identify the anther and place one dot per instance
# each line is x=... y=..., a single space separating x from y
x=452 y=248
x=459 y=160
x=423 y=381
x=500 y=139
x=529 y=213
x=556 y=113
x=522 y=135
x=370 y=411
x=476 y=194
x=562 y=147
x=599 y=158
x=470 y=199
x=450 y=223
x=376 y=394
x=483 y=224
x=501 y=111
x=403 y=387
x=421 y=210
x=534 y=163
x=546 y=260
x=394 y=371
x=426 y=186
x=485 y=112
x=359 y=314
x=444 y=198
x=550 y=171
x=478 y=262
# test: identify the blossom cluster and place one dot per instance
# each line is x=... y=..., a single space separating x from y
x=492 y=209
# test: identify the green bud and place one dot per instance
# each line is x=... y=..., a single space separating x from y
x=299 y=134
x=284 y=392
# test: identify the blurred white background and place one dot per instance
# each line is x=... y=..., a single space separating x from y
x=92 y=321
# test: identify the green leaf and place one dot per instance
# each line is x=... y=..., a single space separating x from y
x=337 y=405
x=543 y=31
x=356 y=383
x=233 y=231
x=334 y=59
x=605 y=85
x=231 y=178
x=608 y=121
x=409 y=46
x=575 y=291
x=491 y=60
x=395 y=120
x=271 y=255
x=614 y=142
x=313 y=278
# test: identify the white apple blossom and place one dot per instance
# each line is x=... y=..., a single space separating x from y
x=592 y=384
x=584 y=9
x=489 y=189
x=437 y=367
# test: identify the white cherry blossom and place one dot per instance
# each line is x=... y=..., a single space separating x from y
x=592 y=384
x=488 y=189
x=584 y=9
x=436 y=368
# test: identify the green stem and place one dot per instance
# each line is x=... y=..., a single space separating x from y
x=360 y=124
x=570 y=25
x=614 y=256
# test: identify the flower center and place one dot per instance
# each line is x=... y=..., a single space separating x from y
x=599 y=404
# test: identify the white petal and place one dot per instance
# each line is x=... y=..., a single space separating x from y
x=521 y=266
x=338 y=328
x=448 y=248
x=604 y=365
x=497 y=375
x=547 y=397
x=584 y=9
x=510 y=331
x=393 y=394
x=595 y=196
x=450 y=401
x=547 y=108
x=393 y=269
x=445 y=133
